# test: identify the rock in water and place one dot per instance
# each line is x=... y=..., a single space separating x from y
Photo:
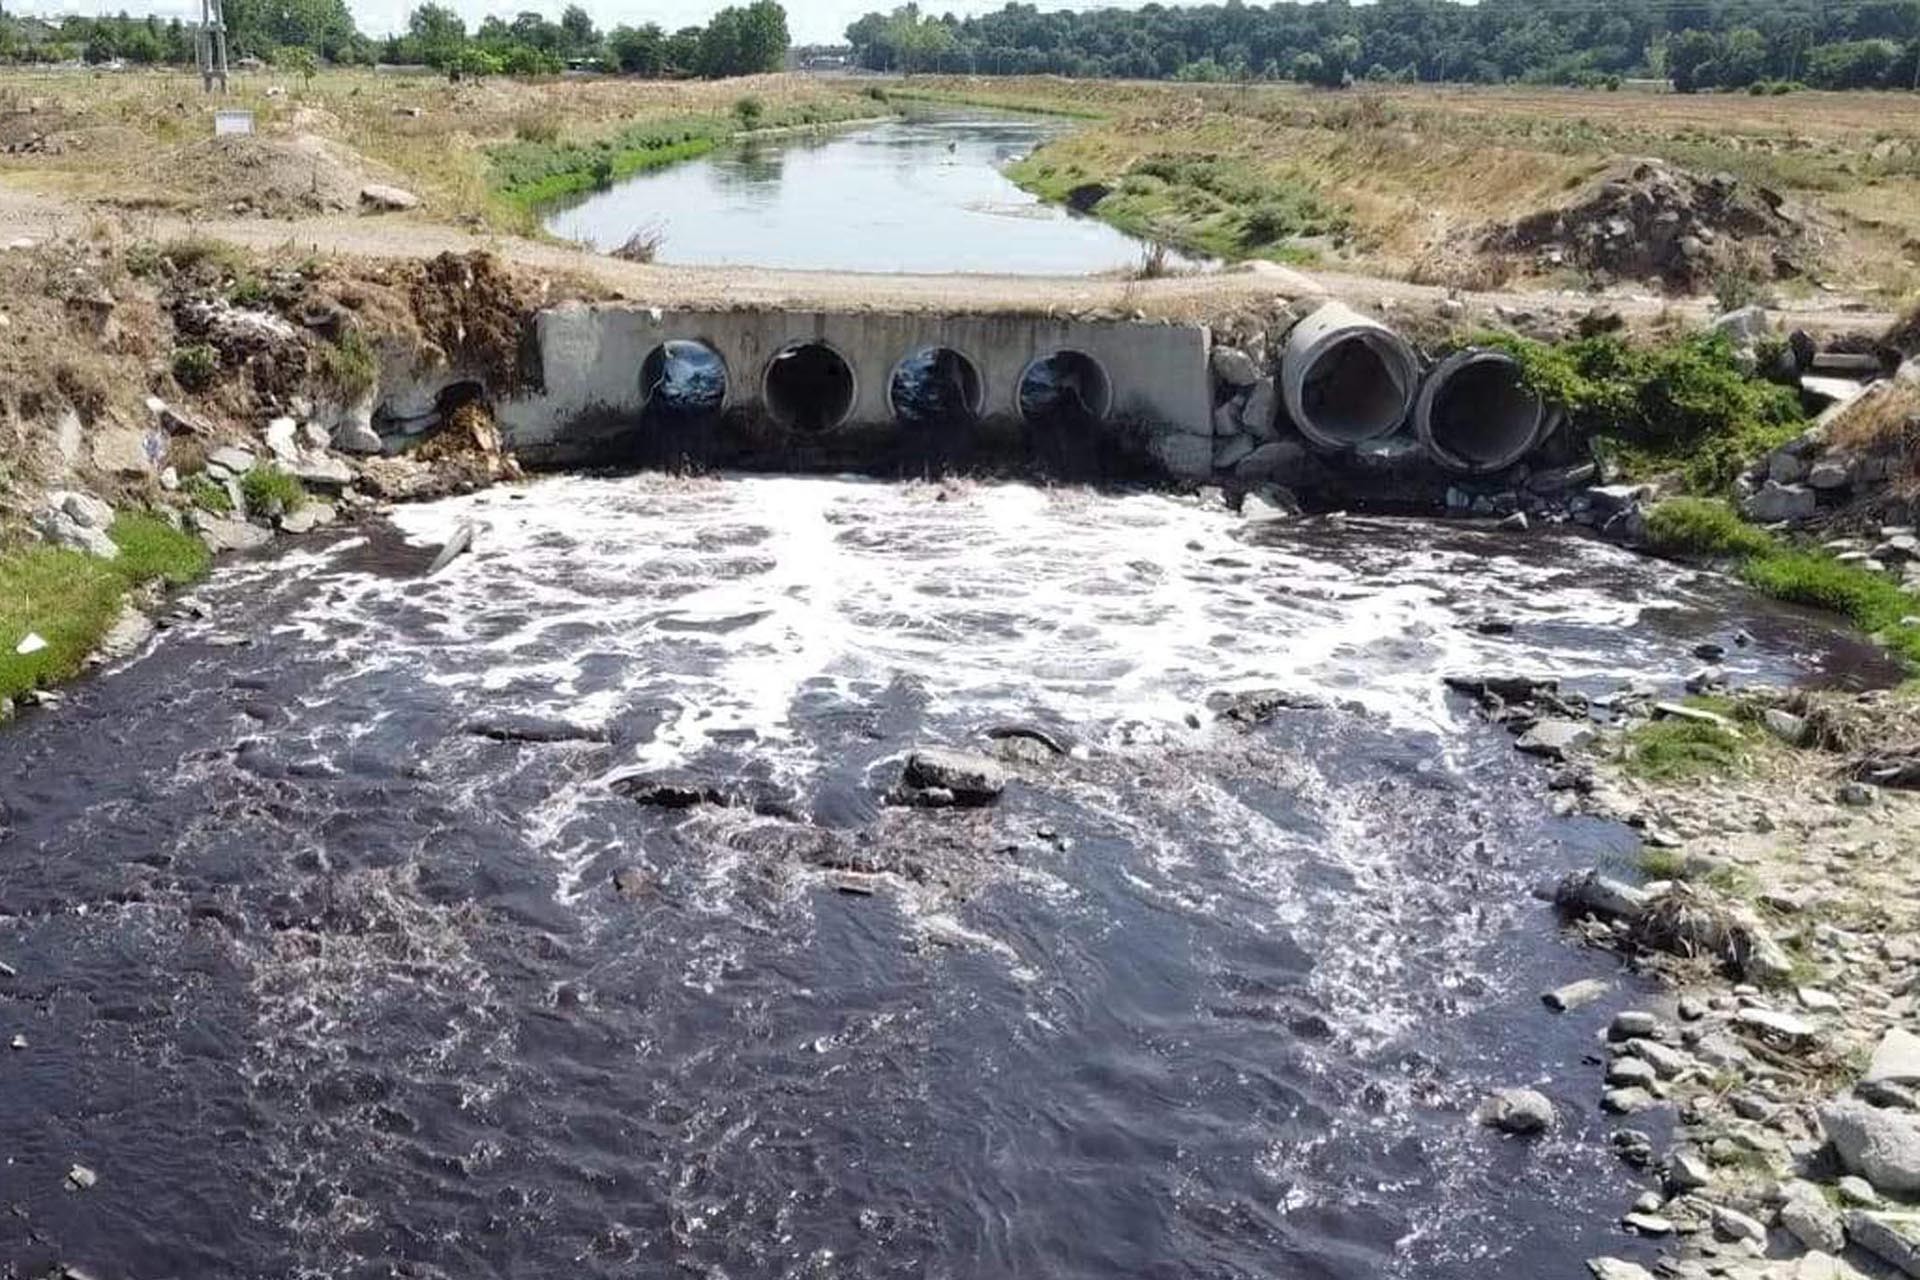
x=1575 y=994
x=457 y=545
x=1556 y=739
x=1881 y=1146
x=1517 y=1111
x=971 y=779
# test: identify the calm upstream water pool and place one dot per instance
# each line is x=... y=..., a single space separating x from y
x=919 y=195
x=320 y=965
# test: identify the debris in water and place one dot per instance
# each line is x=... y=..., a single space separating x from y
x=457 y=545
x=81 y=1178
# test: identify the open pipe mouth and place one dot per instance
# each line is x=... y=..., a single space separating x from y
x=1348 y=380
x=936 y=386
x=1477 y=415
x=1067 y=387
x=683 y=379
x=809 y=387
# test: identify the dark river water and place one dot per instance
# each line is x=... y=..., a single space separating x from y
x=321 y=969
x=921 y=195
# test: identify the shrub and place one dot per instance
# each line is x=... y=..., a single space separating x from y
x=348 y=367
x=269 y=490
x=196 y=367
x=1676 y=749
x=1704 y=527
x=537 y=126
x=750 y=112
x=208 y=494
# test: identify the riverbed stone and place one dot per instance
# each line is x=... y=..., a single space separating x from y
x=1617 y=1269
x=1517 y=1111
x=1731 y=1224
x=1235 y=367
x=1276 y=459
x=1829 y=473
x=1228 y=452
x=221 y=534
x=1628 y=1073
x=1575 y=994
x=1258 y=414
x=970 y=777
x=1881 y=1146
x=1592 y=893
x=1781 y=503
x=1184 y=455
x=1784 y=725
x=233 y=459
x=1811 y=1219
x=1628 y=1101
x=1556 y=739
x=1896 y=1060
x=1894 y=1238
x=1633 y=1024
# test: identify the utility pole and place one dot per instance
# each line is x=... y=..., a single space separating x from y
x=210 y=46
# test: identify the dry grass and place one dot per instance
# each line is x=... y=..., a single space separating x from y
x=1421 y=168
x=1885 y=421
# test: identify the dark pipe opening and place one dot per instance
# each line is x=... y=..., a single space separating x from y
x=1483 y=417
x=683 y=380
x=1353 y=391
x=460 y=393
x=936 y=386
x=809 y=387
x=1066 y=388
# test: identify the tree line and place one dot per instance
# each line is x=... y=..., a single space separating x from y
x=740 y=40
x=1698 y=44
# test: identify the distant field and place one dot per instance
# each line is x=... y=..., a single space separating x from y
x=1411 y=174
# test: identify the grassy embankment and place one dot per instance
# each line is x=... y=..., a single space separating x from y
x=541 y=164
x=1401 y=180
x=70 y=599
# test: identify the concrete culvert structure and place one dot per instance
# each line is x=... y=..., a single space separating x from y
x=809 y=387
x=1067 y=386
x=1347 y=380
x=1477 y=414
x=683 y=379
x=936 y=386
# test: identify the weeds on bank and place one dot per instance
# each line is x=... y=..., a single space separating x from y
x=70 y=599
x=1675 y=750
x=348 y=366
x=208 y=495
x=270 y=489
x=1685 y=407
x=1772 y=566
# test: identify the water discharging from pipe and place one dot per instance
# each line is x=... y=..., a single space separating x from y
x=1066 y=388
x=936 y=386
x=683 y=380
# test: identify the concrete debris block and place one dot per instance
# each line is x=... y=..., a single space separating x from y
x=1575 y=994
x=1184 y=456
x=1777 y=503
x=1257 y=415
x=1235 y=367
x=1858 y=364
x=221 y=534
x=233 y=459
x=1557 y=739
x=81 y=1178
x=1589 y=893
x=1517 y=1111
x=1811 y=1219
x=1230 y=451
x=1617 y=1269
x=1834 y=391
x=1744 y=327
x=1612 y=499
x=322 y=471
x=1774 y=1023
x=377 y=197
x=1280 y=459
x=1894 y=1238
x=1881 y=1146
x=1896 y=1060
x=282 y=437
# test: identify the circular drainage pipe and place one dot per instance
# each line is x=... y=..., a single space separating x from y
x=683 y=378
x=1066 y=386
x=936 y=386
x=1346 y=379
x=809 y=387
x=1477 y=415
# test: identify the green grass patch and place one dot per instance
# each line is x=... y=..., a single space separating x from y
x=1675 y=750
x=267 y=488
x=1683 y=408
x=70 y=599
x=1704 y=527
x=348 y=366
x=208 y=494
x=195 y=367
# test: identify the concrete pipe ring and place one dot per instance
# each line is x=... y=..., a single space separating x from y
x=1064 y=384
x=936 y=385
x=809 y=386
x=1347 y=380
x=1476 y=414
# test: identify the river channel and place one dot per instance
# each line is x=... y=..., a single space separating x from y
x=925 y=194
x=320 y=964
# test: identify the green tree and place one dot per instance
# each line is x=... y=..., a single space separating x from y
x=297 y=60
x=439 y=34
x=640 y=51
x=577 y=28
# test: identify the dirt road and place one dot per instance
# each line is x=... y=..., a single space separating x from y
x=1197 y=297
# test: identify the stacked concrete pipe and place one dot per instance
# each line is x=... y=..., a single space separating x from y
x=1476 y=414
x=1347 y=380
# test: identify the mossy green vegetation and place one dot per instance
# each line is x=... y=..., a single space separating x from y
x=208 y=495
x=1684 y=408
x=269 y=488
x=1203 y=204
x=1674 y=750
x=1797 y=575
x=70 y=599
x=348 y=366
x=528 y=171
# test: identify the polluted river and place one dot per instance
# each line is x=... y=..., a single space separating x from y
x=553 y=913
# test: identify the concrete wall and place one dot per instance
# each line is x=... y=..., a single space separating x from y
x=592 y=358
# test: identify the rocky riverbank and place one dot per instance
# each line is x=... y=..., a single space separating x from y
x=1776 y=904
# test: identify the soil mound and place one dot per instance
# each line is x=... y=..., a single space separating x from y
x=269 y=176
x=1649 y=220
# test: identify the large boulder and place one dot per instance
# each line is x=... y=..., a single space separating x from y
x=970 y=778
x=1881 y=1146
x=1778 y=503
x=1185 y=456
x=1896 y=1060
x=1517 y=1111
x=1235 y=367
